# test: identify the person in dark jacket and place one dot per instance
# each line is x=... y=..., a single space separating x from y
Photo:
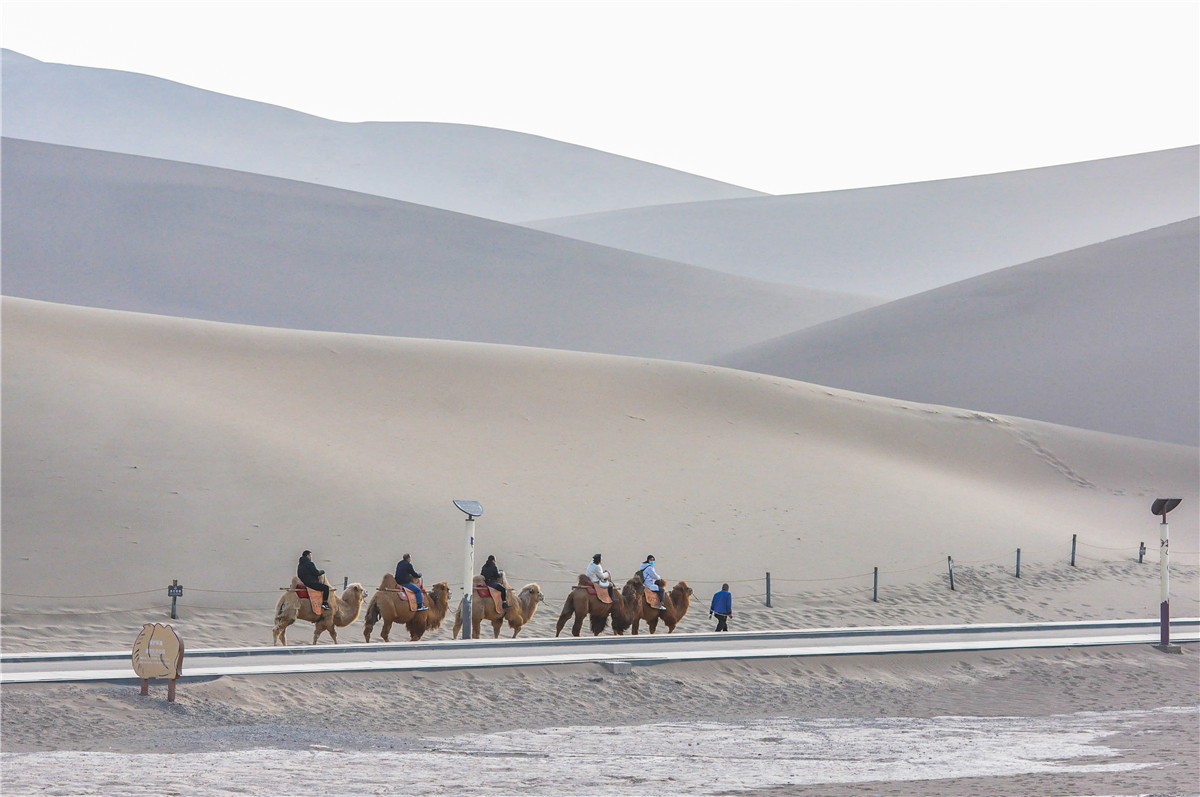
x=491 y=577
x=406 y=576
x=722 y=607
x=310 y=577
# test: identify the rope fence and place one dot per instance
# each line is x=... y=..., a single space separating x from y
x=175 y=590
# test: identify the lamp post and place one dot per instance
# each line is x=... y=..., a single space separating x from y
x=472 y=509
x=1162 y=506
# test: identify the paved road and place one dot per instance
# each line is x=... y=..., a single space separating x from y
x=617 y=652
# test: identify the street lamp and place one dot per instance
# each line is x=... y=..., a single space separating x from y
x=1162 y=506
x=472 y=509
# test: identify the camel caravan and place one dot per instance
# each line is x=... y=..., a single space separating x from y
x=403 y=598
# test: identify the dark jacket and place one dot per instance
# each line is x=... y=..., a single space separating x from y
x=406 y=573
x=308 y=572
x=490 y=573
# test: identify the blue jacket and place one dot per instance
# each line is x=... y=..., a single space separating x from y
x=722 y=603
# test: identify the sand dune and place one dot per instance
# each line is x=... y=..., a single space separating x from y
x=497 y=174
x=141 y=448
x=899 y=240
x=1106 y=337
x=100 y=229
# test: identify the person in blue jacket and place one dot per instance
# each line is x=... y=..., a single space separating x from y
x=722 y=607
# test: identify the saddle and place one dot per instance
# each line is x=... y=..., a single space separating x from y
x=484 y=591
x=407 y=593
x=311 y=595
x=652 y=598
x=601 y=593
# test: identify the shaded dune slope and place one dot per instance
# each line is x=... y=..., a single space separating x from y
x=1105 y=337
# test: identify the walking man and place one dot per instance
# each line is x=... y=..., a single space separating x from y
x=722 y=607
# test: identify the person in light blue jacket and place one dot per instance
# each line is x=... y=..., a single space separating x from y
x=722 y=607
x=651 y=578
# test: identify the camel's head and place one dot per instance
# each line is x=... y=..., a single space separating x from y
x=683 y=586
x=534 y=593
x=354 y=591
x=440 y=591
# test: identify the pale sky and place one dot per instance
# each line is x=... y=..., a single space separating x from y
x=782 y=97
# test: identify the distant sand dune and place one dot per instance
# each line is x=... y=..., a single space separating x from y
x=106 y=230
x=496 y=174
x=894 y=241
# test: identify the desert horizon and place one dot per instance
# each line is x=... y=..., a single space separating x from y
x=232 y=332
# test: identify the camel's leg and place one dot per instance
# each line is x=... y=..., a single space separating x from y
x=475 y=623
x=567 y=610
x=279 y=632
x=651 y=624
x=578 y=626
x=386 y=632
x=333 y=632
x=496 y=627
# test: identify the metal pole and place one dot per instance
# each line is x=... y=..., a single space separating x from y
x=768 y=589
x=875 y=589
x=468 y=573
x=1073 y=538
x=950 y=566
x=1141 y=552
x=345 y=583
x=174 y=598
x=1164 y=608
x=1018 y=563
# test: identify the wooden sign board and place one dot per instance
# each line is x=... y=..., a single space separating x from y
x=158 y=653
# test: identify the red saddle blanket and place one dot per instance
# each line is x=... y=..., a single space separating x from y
x=484 y=591
x=312 y=596
x=652 y=598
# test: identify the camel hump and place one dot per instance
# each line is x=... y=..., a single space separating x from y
x=295 y=581
x=584 y=581
x=477 y=581
x=388 y=581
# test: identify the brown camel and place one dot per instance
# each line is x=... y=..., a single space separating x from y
x=518 y=613
x=387 y=605
x=677 y=602
x=581 y=603
x=289 y=609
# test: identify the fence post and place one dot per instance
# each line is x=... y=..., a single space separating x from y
x=1141 y=551
x=345 y=583
x=1018 y=563
x=950 y=566
x=174 y=591
x=1073 y=538
x=768 y=589
x=875 y=589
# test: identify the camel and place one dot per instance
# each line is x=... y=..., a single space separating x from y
x=290 y=608
x=386 y=605
x=580 y=603
x=518 y=613
x=678 y=600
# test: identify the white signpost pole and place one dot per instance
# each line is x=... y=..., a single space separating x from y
x=472 y=509
x=468 y=572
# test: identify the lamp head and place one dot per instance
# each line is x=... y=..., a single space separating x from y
x=1162 y=506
